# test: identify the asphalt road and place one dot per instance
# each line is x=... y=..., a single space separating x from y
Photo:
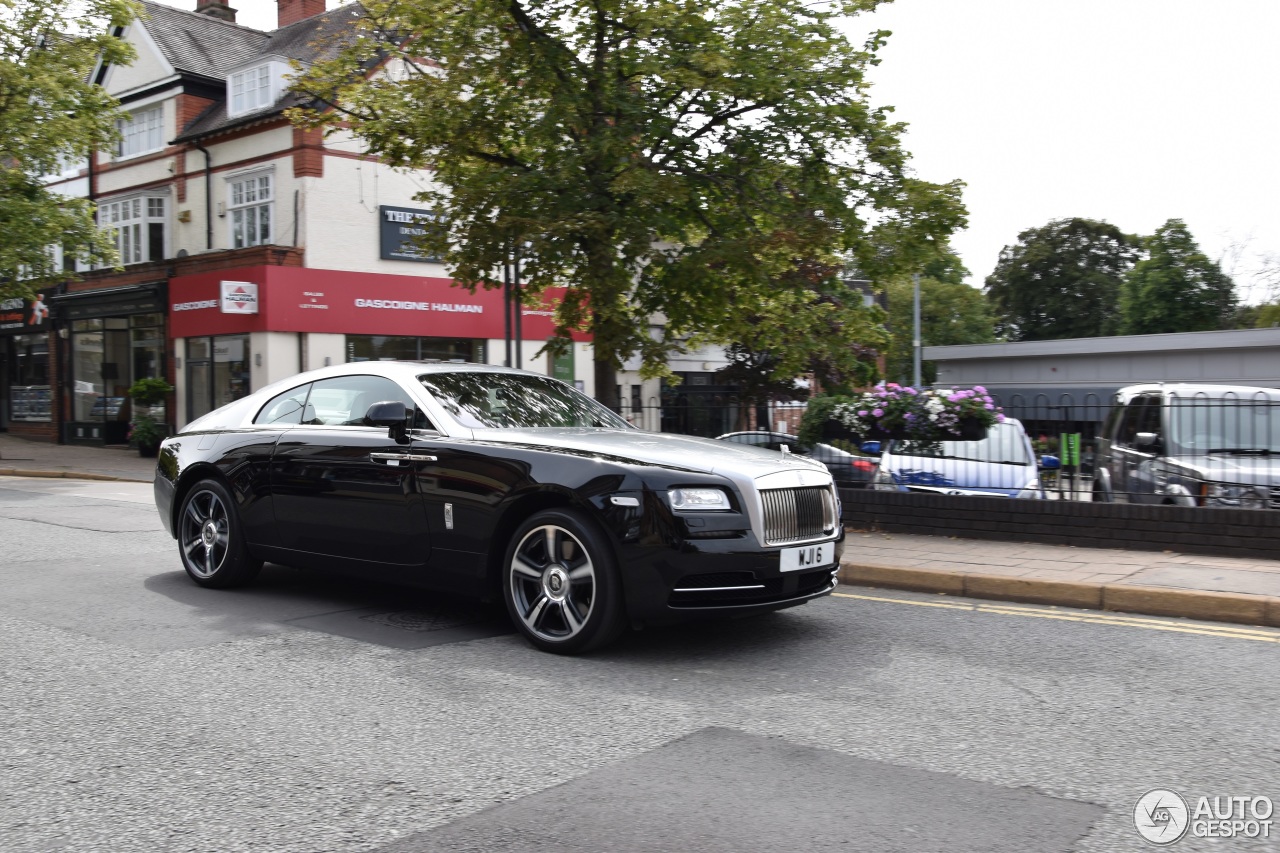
x=306 y=713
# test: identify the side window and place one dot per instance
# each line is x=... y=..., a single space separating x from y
x=1150 y=419
x=1141 y=415
x=284 y=408
x=344 y=400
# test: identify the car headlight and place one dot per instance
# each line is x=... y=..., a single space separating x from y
x=883 y=481
x=1244 y=497
x=697 y=499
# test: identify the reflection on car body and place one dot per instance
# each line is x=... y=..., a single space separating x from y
x=496 y=482
x=849 y=470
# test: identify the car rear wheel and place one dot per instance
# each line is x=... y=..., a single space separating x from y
x=561 y=584
x=209 y=538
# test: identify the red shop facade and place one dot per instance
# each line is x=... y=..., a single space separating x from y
x=233 y=331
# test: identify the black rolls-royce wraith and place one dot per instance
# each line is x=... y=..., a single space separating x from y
x=496 y=482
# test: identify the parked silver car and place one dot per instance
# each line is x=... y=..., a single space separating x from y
x=1191 y=445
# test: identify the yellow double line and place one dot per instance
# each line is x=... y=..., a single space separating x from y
x=1262 y=635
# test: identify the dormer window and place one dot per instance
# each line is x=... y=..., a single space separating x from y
x=252 y=89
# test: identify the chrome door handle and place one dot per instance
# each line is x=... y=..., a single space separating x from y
x=396 y=457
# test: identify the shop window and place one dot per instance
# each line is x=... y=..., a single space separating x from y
x=140 y=132
x=107 y=356
x=137 y=226
x=398 y=348
x=251 y=202
x=217 y=372
x=30 y=397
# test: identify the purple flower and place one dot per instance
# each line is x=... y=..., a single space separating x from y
x=978 y=389
x=862 y=413
x=989 y=407
x=877 y=413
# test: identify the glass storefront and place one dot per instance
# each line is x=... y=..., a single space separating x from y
x=115 y=337
x=24 y=360
x=108 y=355
x=217 y=372
x=395 y=348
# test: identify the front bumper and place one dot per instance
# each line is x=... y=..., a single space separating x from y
x=719 y=576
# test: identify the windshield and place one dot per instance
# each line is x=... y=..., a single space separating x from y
x=1225 y=426
x=1003 y=445
x=515 y=401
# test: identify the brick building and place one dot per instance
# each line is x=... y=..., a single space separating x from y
x=252 y=250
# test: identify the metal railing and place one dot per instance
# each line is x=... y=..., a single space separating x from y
x=1178 y=445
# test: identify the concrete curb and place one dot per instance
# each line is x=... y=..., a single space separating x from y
x=65 y=475
x=1129 y=598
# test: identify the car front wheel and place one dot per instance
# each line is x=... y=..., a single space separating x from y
x=561 y=584
x=209 y=538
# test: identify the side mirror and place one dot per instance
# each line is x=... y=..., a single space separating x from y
x=392 y=414
x=871 y=448
x=1050 y=463
x=1147 y=441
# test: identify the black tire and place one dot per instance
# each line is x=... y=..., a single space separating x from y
x=561 y=585
x=210 y=540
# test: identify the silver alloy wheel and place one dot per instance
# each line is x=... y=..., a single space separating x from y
x=206 y=534
x=553 y=583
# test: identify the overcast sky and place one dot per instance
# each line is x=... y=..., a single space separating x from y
x=1129 y=111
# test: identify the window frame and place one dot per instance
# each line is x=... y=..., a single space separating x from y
x=131 y=130
x=236 y=211
x=254 y=95
x=140 y=241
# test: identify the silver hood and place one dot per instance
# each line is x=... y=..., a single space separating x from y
x=704 y=455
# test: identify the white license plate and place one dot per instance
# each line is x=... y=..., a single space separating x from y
x=808 y=557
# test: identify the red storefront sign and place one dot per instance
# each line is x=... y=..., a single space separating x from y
x=295 y=299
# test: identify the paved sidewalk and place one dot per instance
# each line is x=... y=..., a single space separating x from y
x=20 y=456
x=1160 y=583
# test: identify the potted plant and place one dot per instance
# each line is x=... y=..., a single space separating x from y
x=145 y=432
x=902 y=412
x=146 y=435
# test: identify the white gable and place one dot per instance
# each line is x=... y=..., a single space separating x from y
x=148 y=68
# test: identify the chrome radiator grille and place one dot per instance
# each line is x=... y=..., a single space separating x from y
x=795 y=515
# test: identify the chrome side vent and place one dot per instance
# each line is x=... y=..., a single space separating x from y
x=797 y=515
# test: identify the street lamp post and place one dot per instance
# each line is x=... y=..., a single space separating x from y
x=915 y=335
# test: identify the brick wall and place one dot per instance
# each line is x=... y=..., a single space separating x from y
x=1224 y=532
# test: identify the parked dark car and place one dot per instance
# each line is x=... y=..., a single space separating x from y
x=1191 y=445
x=496 y=482
x=849 y=470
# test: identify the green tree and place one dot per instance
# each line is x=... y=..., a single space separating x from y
x=676 y=157
x=50 y=114
x=951 y=312
x=1176 y=288
x=1061 y=281
x=815 y=307
x=1267 y=316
